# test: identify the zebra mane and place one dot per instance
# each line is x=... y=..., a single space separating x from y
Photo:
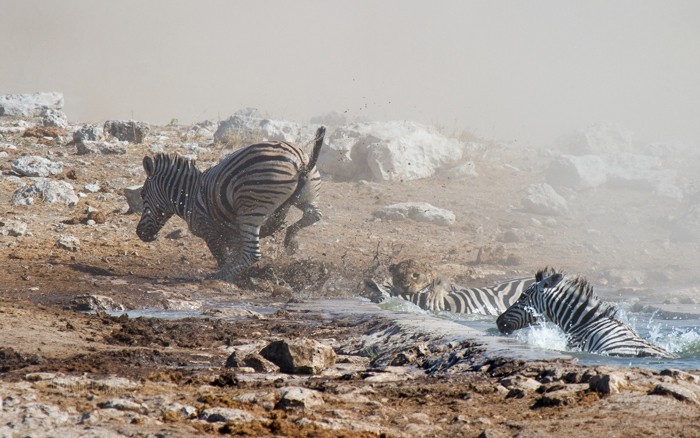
x=583 y=285
x=174 y=160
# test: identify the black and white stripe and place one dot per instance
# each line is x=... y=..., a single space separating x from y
x=232 y=204
x=437 y=296
x=590 y=324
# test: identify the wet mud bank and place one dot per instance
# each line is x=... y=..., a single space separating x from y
x=390 y=374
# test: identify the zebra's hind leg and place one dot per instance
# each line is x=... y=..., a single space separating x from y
x=311 y=216
x=275 y=222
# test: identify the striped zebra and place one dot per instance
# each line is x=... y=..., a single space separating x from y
x=414 y=282
x=233 y=204
x=590 y=324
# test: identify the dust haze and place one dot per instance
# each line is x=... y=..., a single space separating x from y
x=517 y=71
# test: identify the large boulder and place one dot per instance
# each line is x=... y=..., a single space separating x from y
x=32 y=165
x=248 y=126
x=632 y=171
x=598 y=138
x=299 y=356
x=54 y=118
x=48 y=190
x=127 y=130
x=543 y=199
x=604 y=154
x=88 y=133
x=387 y=151
x=30 y=105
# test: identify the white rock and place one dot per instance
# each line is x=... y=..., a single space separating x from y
x=464 y=170
x=70 y=243
x=88 y=133
x=297 y=397
x=101 y=147
x=224 y=415
x=32 y=165
x=9 y=227
x=49 y=190
x=32 y=105
x=417 y=211
x=543 y=199
x=599 y=138
x=53 y=117
x=92 y=188
x=579 y=172
x=248 y=125
x=632 y=171
x=387 y=151
x=127 y=130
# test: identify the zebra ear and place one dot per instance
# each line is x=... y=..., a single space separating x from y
x=148 y=165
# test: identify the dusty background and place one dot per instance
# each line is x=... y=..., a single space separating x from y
x=166 y=361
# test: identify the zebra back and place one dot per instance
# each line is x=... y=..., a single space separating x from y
x=493 y=300
x=439 y=296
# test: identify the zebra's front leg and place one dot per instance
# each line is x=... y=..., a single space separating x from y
x=311 y=216
x=249 y=253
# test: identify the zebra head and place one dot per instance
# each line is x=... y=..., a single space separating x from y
x=521 y=314
x=157 y=207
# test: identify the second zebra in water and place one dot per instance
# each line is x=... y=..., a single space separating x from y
x=590 y=324
x=234 y=203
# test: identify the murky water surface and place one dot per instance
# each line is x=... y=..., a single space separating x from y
x=674 y=327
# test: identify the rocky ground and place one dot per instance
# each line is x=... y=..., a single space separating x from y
x=65 y=372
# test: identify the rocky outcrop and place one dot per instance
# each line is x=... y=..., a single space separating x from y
x=30 y=105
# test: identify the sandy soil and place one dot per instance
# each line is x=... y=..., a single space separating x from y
x=610 y=235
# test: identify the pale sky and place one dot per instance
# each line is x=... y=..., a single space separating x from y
x=527 y=71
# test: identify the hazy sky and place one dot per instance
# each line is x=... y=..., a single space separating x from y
x=510 y=70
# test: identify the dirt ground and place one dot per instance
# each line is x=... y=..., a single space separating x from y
x=610 y=235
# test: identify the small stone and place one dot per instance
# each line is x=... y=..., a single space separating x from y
x=605 y=383
x=122 y=404
x=70 y=243
x=417 y=211
x=225 y=415
x=100 y=148
x=543 y=199
x=294 y=397
x=92 y=188
x=12 y=228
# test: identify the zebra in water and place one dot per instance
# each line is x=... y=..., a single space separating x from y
x=414 y=282
x=590 y=324
x=233 y=204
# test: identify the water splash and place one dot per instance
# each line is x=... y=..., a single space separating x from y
x=543 y=335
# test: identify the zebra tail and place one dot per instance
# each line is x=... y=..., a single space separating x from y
x=320 y=133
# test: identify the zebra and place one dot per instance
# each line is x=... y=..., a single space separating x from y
x=233 y=204
x=414 y=282
x=590 y=324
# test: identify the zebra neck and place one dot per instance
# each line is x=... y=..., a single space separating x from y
x=183 y=198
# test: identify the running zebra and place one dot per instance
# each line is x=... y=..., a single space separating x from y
x=236 y=202
x=415 y=282
x=590 y=324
